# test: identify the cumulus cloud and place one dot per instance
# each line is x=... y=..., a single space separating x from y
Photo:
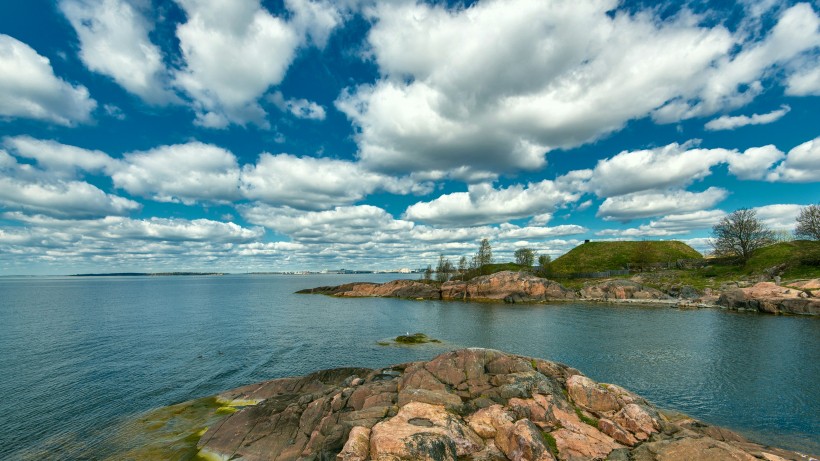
x=29 y=88
x=802 y=164
x=234 y=51
x=300 y=108
x=25 y=188
x=568 y=73
x=114 y=42
x=754 y=162
x=735 y=78
x=676 y=166
x=59 y=159
x=658 y=168
x=317 y=183
x=673 y=224
x=648 y=204
x=484 y=204
x=779 y=216
x=732 y=122
x=805 y=81
x=185 y=173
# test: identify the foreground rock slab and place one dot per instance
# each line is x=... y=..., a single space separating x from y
x=469 y=404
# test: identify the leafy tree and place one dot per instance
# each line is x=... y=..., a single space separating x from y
x=524 y=257
x=544 y=264
x=462 y=266
x=808 y=223
x=485 y=254
x=428 y=273
x=443 y=270
x=739 y=234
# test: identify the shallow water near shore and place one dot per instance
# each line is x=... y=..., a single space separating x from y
x=84 y=360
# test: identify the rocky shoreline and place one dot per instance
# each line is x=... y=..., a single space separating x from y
x=468 y=404
x=800 y=297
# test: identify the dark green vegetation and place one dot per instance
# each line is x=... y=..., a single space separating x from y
x=604 y=256
x=415 y=338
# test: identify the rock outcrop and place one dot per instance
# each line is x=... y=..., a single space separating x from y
x=771 y=298
x=507 y=286
x=621 y=289
x=470 y=404
x=410 y=289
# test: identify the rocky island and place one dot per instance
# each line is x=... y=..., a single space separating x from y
x=469 y=404
x=800 y=297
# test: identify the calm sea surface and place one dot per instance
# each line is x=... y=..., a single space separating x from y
x=80 y=355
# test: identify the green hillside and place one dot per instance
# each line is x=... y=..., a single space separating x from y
x=800 y=258
x=603 y=256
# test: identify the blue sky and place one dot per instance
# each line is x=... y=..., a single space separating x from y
x=148 y=135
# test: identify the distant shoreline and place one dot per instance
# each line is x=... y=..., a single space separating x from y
x=146 y=274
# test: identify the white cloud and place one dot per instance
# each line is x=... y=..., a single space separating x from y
x=24 y=188
x=673 y=224
x=59 y=159
x=780 y=216
x=805 y=81
x=673 y=165
x=300 y=108
x=647 y=204
x=185 y=173
x=29 y=88
x=567 y=73
x=735 y=79
x=316 y=183
x=483 y=204
x=234 y=51
x=730 y=123
x=511 y=231
x=754 y=162
x=114 y=42
x=802 y=164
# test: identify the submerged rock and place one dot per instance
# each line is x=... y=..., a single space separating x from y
x=469 y=404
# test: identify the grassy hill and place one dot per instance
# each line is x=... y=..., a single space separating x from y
x=797 y=259
x=603 y=256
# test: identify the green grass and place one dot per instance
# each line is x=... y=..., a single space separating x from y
x=586 y=419
x=488 y=269
x=551 y=443
x=603 y=256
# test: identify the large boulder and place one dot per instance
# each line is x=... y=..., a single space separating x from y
x=469 y=404
x=395 y=289
x=621 y=289
x=507 y=286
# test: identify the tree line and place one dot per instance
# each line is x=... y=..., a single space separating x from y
x=478 y=263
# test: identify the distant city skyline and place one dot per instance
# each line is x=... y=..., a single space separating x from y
x=248 y=136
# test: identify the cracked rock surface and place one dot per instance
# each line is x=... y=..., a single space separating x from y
x=468 y=404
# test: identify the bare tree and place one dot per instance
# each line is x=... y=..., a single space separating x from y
x=428 y=273
x=524 y=257
x=740 y=234
x=808 y=223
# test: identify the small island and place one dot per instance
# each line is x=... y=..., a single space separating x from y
x=783 y=278
x=410 y=340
